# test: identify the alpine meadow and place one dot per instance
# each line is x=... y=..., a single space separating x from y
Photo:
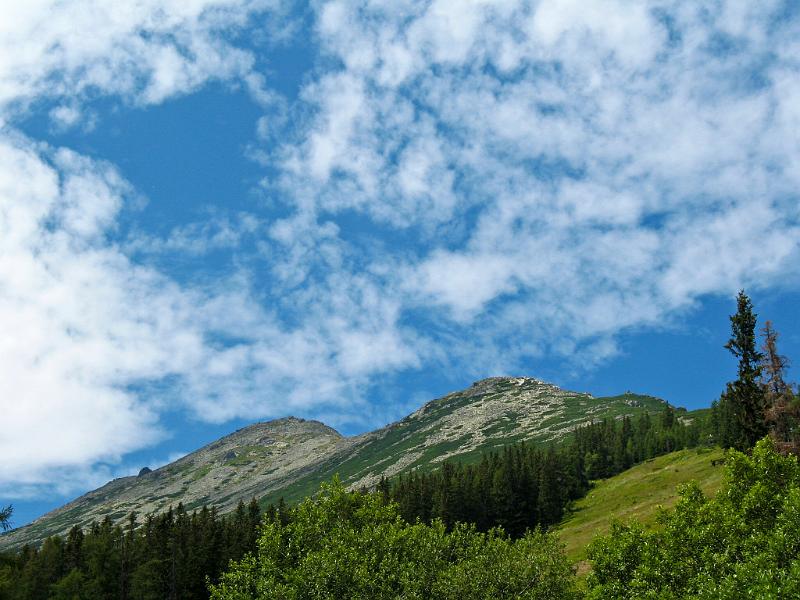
x=420 y=299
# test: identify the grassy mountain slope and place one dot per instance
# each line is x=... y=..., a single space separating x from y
x=636 y=494
x=290 y=457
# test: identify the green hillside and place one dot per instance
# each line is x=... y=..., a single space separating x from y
x=636 y=494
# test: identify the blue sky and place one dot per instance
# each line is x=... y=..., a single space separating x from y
x=221 y=211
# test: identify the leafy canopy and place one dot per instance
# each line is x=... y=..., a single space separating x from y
x=744 y=543
x=345 y=545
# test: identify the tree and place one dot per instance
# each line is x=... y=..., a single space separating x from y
x=773 y=364
x=551 y=489
x=5 y=517
x=782 y=410
x=668 y=417
x=74 y=586
x=742 y=405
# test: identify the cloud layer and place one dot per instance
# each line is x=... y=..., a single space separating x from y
x=462 y=186
x=570 y=168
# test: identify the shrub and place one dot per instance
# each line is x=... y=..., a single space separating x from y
x=345 y=545
x=743 y=543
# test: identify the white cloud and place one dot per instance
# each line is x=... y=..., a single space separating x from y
x=199 y=238
x=144 y=51
x=618 y=160
x=67 y=342
x=65 y=116
x=466 y=283
x=96 y=345
x=595 y=29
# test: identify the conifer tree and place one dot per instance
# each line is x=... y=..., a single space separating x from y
x=782 y=410
x=551 y=499
x=73 y=550
x=5 y=518
x=742 y=405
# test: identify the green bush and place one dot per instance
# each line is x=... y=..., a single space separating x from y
x=744 y=543
x=346 y=545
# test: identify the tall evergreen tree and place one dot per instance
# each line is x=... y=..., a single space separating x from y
x=742 y=405
x=5 y=518
x=551 y=492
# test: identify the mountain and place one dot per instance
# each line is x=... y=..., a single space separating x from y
x=240 y=465
x=290 y=457
x=490 y=414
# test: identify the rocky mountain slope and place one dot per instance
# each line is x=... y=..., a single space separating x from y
x=290 y=457
x=490 y=414
x=241 y=465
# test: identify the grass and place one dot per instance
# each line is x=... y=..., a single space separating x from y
x=200 y=473
x=246 y=455
x=636 y=494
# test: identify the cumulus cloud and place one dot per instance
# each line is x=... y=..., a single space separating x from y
x=66 y=352
x=143 y=51
x=619 y=161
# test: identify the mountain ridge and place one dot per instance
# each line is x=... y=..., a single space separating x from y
x=289 y=457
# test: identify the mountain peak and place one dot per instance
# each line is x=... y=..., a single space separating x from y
x=288 y=424
x=491 y=383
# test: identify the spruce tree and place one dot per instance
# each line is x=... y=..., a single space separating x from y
x=5 y=518
x=743 y=403
x=551 y=493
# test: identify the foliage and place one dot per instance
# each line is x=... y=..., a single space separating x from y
x=743 y=543
x=350 y=545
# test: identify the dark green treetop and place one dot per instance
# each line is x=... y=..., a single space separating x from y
x=5 y=518
x=743 y=339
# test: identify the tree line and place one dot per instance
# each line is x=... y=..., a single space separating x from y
x=524 y=485
x=168 y=556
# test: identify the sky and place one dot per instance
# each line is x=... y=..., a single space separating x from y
x=214 y=212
